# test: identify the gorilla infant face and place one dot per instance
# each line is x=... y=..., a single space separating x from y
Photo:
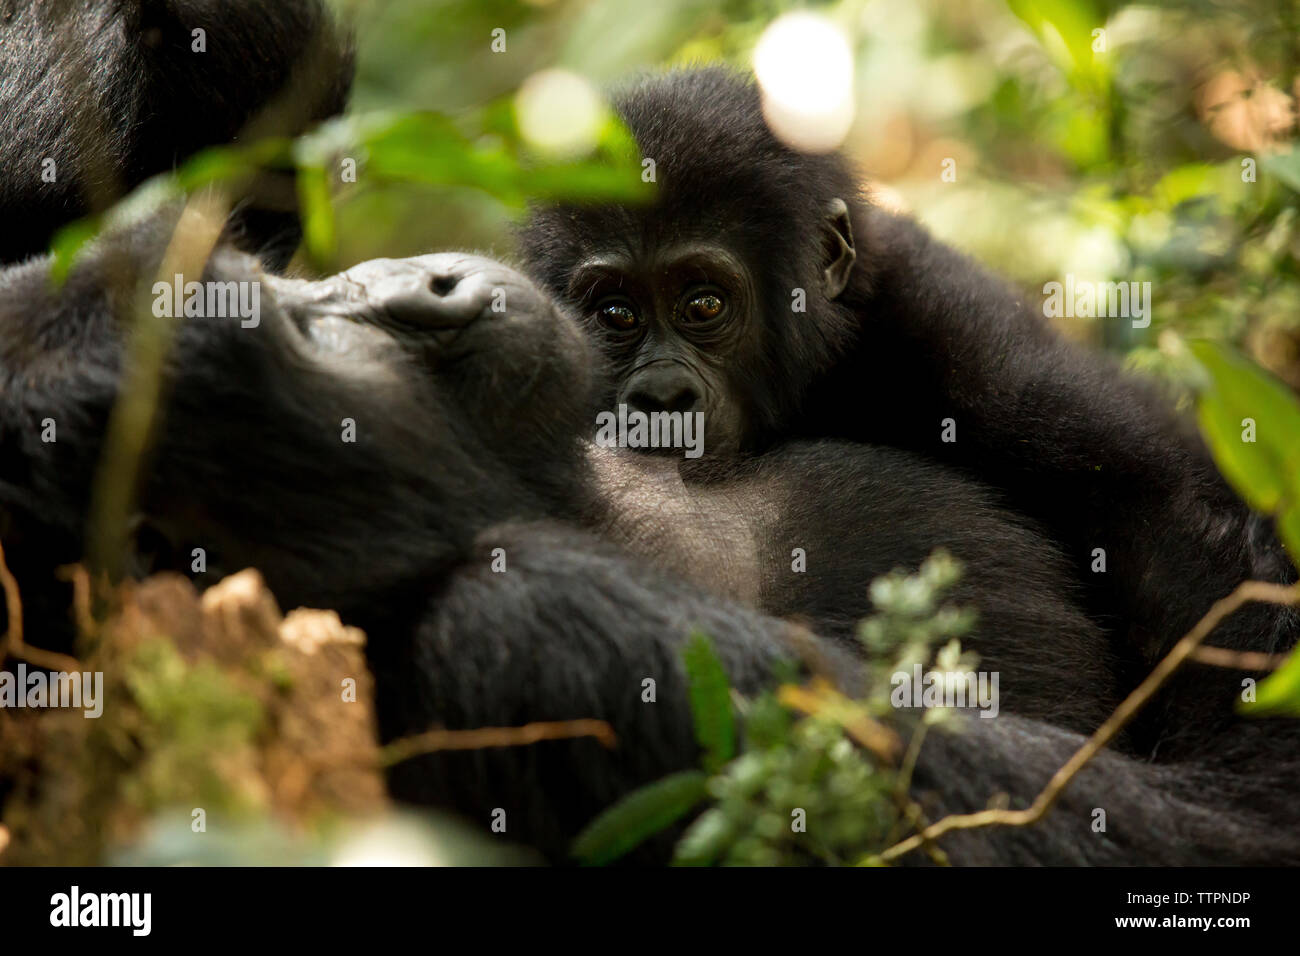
x=724 y=293
x=668 y=319
x=689 y=326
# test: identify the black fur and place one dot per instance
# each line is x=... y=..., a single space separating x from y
x=113 y=93
x=397 y=532
x=470 y=428
x=920 y=334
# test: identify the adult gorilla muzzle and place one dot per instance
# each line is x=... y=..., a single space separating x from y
x=445 y=291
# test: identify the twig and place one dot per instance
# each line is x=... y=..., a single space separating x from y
x=909 y=759
x=13 y=602
x=1237 y=660
x=16 y=647
x=137 y=412
x=912 y=811
x=819 y=698
x=1125 y=712
x=79 y=578
x=432 y=741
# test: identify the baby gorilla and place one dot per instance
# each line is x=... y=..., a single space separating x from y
x=763 y=291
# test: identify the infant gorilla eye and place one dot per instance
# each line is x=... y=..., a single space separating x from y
x=617 y=315
x=703 y=308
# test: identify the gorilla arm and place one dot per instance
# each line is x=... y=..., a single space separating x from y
x=574 y=631
x=1088 y=451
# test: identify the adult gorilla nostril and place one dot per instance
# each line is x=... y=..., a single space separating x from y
x=438 y=291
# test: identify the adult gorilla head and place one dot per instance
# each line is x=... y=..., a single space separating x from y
x=97 y=97
x=352 y=442
x=693 y=295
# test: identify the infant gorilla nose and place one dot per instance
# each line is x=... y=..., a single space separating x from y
x=662 y=388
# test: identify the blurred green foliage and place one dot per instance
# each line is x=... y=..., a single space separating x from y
x=1251 y=423
x=820 y=777
x=1108 y=141
x=1112 y=157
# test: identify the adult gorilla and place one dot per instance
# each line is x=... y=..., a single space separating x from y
x=761 y=289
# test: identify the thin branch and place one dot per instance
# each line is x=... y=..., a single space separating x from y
x=79 y=578
x=820 y=699
x=16 y=647
x=1237 y=660
x=904 y=784
x=432 y=741
x=1125 y=712
x=13 y=602
x=137 y=413
x=912 y=811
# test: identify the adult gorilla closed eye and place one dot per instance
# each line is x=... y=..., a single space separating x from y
x=396 y=531
x=761 y=289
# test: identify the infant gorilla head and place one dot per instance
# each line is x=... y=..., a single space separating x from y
x=352 y=441
x=732 y=293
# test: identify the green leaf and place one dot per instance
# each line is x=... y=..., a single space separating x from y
x=1266 y=471
x=1279 y=693
x=317 y=213
x=226 y=164
x=639 y=816
x=705 y=840
x=1285 y=166
x=144 y=200
x=1182 y=183
x=1064 y=28
x=481 y=152
x=488 y=155
x=68 y=242
x=710 y=691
